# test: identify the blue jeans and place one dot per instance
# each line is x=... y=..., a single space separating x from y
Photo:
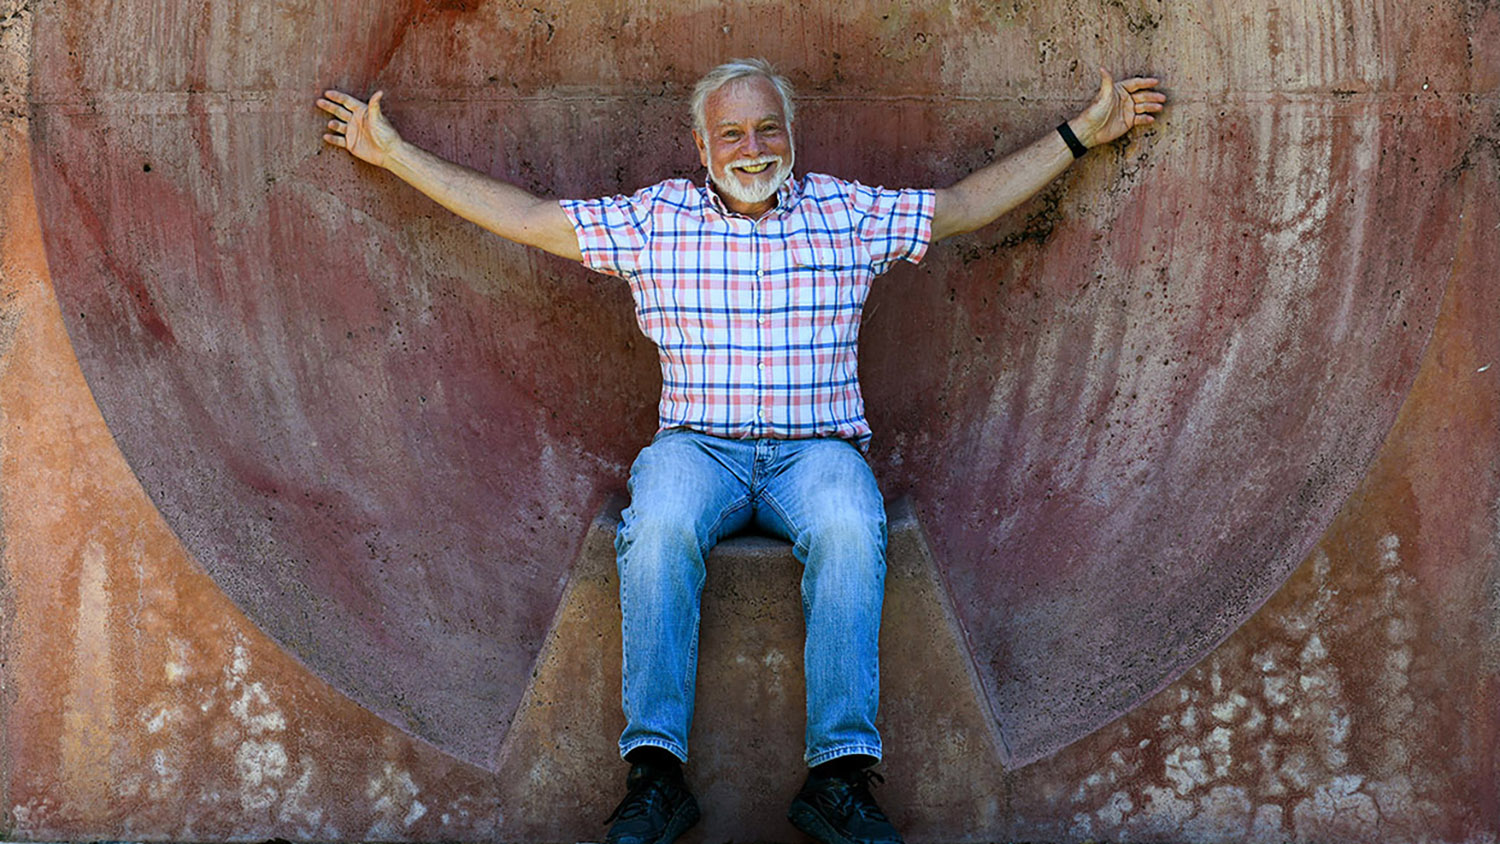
x=687 y=491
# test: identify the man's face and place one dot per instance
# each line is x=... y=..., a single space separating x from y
x=747 y=147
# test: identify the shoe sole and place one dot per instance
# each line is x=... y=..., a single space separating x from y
x=807 y=819
x=680 y=823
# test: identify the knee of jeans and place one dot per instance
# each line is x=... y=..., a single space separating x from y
x=653 y=542
x=846 y=527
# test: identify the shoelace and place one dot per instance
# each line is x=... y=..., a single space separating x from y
x=640 y=799
x=854 y=797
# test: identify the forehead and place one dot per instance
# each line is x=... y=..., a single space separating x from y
x=743 y=101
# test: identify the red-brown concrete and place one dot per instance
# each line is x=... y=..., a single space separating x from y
x=139 y=702
x=1125 y=413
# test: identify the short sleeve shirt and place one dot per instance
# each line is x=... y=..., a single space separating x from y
x=756 y=322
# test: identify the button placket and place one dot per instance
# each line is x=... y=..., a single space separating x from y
x=760 y=340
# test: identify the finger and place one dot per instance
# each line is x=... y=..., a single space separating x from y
x=338 y=127
x=335 y=140
x=1137 y=83
x=335 y=109
x=375 y=105
x=1148 y=108
x=1106 y=82
x=1149 y=97
x=344 y=99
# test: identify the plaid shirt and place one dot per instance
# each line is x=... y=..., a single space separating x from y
x=755 y=321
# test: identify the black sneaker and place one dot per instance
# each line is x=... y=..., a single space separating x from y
x=657 y=808
x=839 y=810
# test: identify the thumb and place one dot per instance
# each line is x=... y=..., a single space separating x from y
x=1106 y=83
x=375 y=105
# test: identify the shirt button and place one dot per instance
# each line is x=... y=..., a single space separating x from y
x=760 y=273
x=760 y=366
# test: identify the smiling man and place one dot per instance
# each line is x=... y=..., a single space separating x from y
x=752 y=286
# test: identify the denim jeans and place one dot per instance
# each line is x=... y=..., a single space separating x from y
x=687 y=491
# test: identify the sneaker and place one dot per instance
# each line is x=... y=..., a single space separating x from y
x=839 y=810
x=657 y=808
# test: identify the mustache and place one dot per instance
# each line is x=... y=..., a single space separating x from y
x=753 y=162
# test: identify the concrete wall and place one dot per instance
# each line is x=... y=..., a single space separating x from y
x=296 y=472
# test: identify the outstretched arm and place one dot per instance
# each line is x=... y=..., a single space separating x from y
x=501 y=207
x=984 y=195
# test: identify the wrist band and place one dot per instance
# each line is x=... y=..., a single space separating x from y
x=1071 y=139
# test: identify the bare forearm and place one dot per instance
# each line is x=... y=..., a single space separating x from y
x=493 y=204
x=984 y=195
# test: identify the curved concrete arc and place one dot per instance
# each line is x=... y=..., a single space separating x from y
x=1125 y=412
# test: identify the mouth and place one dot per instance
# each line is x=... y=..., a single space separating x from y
x=756 y=166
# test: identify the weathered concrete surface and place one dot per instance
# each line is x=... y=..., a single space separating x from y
x=1362 y=703
x=380 y=429
x=138 y=701
x=1351 y=191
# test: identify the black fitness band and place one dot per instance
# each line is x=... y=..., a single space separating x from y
x=1071 y=139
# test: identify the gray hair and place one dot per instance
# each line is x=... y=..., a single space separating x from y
x=730 y=71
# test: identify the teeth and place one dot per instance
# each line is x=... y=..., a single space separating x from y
x=756 y=168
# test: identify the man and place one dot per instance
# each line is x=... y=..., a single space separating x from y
x=752 y=286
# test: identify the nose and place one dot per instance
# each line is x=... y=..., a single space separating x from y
x=752 y=144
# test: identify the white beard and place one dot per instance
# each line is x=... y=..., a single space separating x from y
x=760 y=190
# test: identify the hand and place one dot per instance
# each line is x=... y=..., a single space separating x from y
x=358 y=127
x=1119 y=107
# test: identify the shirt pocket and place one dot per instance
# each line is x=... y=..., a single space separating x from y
x=825 y=287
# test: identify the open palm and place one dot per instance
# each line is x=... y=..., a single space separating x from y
x=359 y=127
x=1119 y=107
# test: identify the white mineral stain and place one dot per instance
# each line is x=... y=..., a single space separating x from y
x=253 y=697
x=1254 y=721
x=394 y=799
x=1339 y=808
x=1223 y=815
x=1338 y=725
x=1274 y=689
x=156 y=722
x=1115 y=810
x=1296 y=769
x=260 y=766
x=1309 y=682
x=1314 y=650
x=294 y=808
x=1082 y=828
x=1225 y=710
x=1186 y=769
x=238 y=666
x=1267 y=824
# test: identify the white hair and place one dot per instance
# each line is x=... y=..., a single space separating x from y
x=730 y=71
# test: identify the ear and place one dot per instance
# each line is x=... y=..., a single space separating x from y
x=702 y=148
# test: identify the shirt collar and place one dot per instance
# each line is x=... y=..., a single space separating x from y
x=786 y=196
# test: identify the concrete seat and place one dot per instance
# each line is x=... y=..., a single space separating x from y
x=560 y=765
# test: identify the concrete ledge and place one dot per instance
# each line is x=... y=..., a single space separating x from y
x=559 y=769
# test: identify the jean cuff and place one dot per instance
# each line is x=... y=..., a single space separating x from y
x=846 y=750
x=679 y=752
